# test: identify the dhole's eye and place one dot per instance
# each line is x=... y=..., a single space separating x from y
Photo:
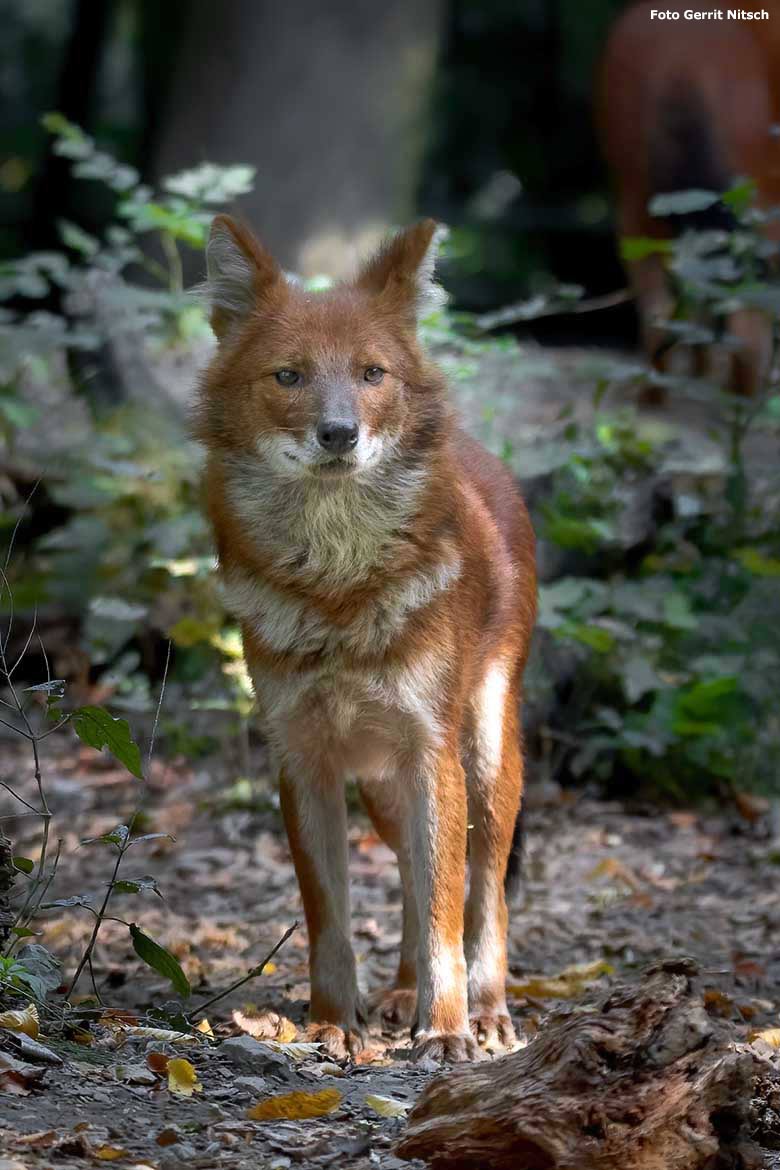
x=287 y=377
x=373 y=374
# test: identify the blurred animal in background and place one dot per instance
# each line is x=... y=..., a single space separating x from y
x=686 y=104
x=381 y=564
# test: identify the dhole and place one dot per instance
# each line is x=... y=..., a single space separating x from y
x=691 y=104
x=381 y=564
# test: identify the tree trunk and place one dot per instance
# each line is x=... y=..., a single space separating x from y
x=642 y=1079
x=328 y=101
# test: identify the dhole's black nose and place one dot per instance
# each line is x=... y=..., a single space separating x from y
x=337 y=435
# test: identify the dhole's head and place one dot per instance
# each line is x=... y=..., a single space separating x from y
x=320 y=385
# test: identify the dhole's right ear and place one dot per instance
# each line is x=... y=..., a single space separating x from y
x=238 y=271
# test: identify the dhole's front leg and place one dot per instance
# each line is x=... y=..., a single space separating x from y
x=436 y=828
x=315 y=817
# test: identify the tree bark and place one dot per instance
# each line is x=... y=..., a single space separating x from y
x=328 y=101
x=642 y=1079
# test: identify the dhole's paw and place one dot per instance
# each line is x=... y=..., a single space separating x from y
x=338 y=1043
x=394 y=1007
x=447 y=1046
x=493 y=1031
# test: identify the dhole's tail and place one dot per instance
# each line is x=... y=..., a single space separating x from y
x=685 y=155
x=514 y=868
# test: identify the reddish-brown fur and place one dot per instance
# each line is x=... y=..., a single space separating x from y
x=683 y=104
x=390 y=648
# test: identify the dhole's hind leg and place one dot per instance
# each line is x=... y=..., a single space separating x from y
x=397 y=1005
x=315 y=817
x=495 y=779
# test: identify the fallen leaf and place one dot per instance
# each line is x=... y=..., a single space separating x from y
x=296 y=1106
x=386 y=1106
x=16 y=1077
x=265 y=1025
x=110 y=1153
x=717 y=1003
x=37 y=1141
x=297 y=1050
x=113 y=1016
x=750 y=806
x=163 y=1035
x=749 y=969
x=564 y=986
x=182 y=1078
x=612 y=867
x=324 y=1068
x=770 y=1036
x=157 y=1062
x=22 y=1021
x=168 y=1137
x=135 y=1074
x=205 y=1027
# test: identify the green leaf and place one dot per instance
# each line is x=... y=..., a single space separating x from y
x=678 y=613
x=41 y=970
x=209 y=183
x=639 y=247
x=66 y=903
x=25 y=864
x=117 y=836
x=639 y=677
x=151 y=837
x=756 y=563
x=683 y=202
x=136 y=885
x=595 y=637
x=159 y=960
x=74 y=237
x=740 y=196
x=97 y=728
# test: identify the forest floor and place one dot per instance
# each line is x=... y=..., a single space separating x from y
x=604 y=884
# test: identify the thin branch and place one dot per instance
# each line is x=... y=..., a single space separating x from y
x=65 y=719
x=21 y=799
x=20 y=517
x=150 y=753
x=45 y=658
x=258 y=970
x=30 y=637
x=516 y=313
x=18 y=730
x=101 y=913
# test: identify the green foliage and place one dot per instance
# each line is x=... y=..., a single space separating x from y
x=160 y=960
x=95 y=727
x=671 y=623
x=133 y=532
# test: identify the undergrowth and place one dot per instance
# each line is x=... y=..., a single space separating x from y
x=661 y=617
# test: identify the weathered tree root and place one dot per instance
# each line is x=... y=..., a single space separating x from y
x=641 y=1079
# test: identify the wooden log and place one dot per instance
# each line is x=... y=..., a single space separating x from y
x=640 y=1079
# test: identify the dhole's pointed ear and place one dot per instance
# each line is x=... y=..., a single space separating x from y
x=403 y=267
x=238 y=270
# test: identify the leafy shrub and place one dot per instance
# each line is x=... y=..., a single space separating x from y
x=673 y=630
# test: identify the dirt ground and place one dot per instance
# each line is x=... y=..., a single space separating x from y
x=603 y=883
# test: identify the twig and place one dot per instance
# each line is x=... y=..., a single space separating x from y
x=21 y=799
x=101 y=913
x=258 y=970
x=150 y=753
x=512 y=314
x=19 y=519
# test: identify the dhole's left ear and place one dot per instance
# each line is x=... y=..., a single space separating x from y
x=238 y=271
x=403 y=268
